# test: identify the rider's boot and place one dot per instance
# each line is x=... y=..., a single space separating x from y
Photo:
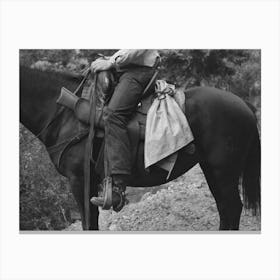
x=113 y=193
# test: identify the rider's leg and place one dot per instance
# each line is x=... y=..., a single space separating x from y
x=117 y=114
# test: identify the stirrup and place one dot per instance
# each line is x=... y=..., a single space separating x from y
x=121 y=193
x=105 y=196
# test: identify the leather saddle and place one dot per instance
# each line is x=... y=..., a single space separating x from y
x=81 y=108
x=136 y=126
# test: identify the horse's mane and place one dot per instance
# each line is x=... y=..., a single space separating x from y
x=48 y=79
x=47 y=82
x=64 y=75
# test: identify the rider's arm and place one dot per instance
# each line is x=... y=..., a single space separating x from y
x=125 y=57
x=134 y=56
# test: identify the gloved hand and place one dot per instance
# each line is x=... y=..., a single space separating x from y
x=101 y=64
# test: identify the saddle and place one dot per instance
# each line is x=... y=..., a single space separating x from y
x=81 y=108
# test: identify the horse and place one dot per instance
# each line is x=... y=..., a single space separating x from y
x=227 y=142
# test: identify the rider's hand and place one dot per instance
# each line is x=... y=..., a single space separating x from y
x=101 y=65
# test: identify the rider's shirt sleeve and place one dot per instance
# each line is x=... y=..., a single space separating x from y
x=134 y=56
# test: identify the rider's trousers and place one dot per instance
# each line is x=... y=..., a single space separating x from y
x=127 y=94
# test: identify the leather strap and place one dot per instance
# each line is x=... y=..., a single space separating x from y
x=150 y=83
x=156 y=67
x=86 y=73
x=51 y=121
x=108 y=193
x=88 y=153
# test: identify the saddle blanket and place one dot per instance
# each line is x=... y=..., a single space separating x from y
x=167 y=128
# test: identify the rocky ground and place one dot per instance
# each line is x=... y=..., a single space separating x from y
x=185 y=204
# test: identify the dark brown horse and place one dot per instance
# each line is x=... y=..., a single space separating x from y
x=226 y=139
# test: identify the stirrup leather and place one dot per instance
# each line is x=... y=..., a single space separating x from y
x=107 y=187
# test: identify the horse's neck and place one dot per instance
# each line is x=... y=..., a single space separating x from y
x=38 y=93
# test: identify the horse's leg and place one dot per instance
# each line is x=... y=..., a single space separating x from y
x=72 y=167
x=224 y=224
x=77 y=188
x=94 y=215
x=94 y=212
x=224 y=187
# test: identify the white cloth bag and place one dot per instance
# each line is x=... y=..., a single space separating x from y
x=167 y=128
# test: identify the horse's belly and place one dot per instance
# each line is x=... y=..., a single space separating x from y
x=156 y=176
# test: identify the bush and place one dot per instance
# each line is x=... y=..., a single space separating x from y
x=45 y=198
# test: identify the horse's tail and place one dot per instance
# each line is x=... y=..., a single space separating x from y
x=251 y=176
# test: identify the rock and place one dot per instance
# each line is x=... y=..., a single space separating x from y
x=114 y=227
x=181 y=208
x=146 y=195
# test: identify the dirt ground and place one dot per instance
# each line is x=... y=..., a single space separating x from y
x=185 y=204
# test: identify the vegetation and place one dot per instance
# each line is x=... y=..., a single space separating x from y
x=45 y=199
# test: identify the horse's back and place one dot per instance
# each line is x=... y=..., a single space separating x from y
x=214 y=99
x=213 y=106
